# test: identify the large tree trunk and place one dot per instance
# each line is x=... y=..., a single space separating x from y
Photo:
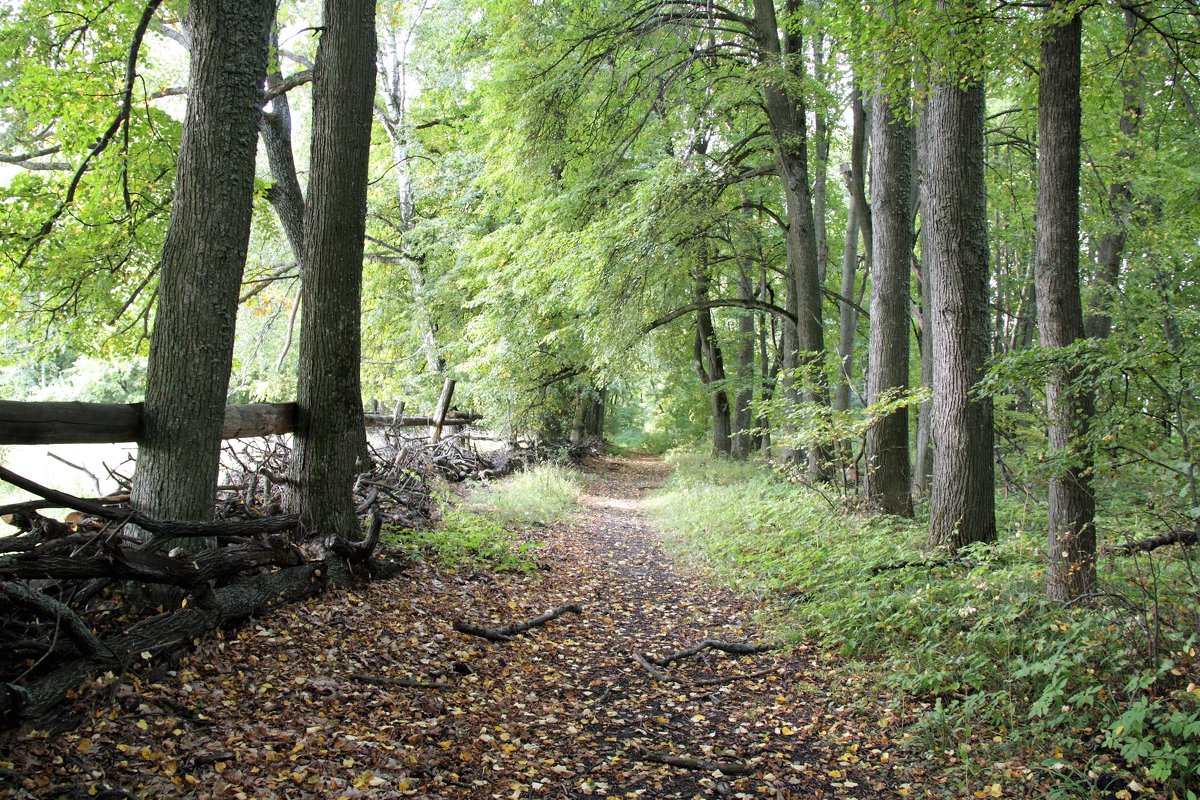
x=962 y=505
x=1071 y=548
x=191 y=350
x=330 y=438
x=805 y=346
x=887 y=484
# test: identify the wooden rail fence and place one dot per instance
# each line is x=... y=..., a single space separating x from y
x=91 y=423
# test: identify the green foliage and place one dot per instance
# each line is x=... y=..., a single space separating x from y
x=464 y=538
x=535 y=496
x=982 y=656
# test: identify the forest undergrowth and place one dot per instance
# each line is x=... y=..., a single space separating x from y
x=999 y=686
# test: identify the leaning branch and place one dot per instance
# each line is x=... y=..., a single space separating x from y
x=106 y=138
x=1179 y=536
x=507 y=632
x=753 y=305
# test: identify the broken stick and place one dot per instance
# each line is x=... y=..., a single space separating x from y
x=735 y=648
x=507 y=632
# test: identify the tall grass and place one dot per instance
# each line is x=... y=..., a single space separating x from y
x=997 y=678
x=538 y=495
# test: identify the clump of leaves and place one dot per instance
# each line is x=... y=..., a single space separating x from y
x=466 y=538
x=993 y=672
x=538 y=495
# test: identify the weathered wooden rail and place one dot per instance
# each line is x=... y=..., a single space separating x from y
x=92 y=423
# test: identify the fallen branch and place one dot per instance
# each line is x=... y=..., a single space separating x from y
x=762 y=673
x=1178 y=536
x=506 y=633
x=735 y=648
x=725 y=767
x=654 y=671
x=407 y=683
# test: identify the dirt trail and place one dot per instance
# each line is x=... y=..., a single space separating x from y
x=563 y=711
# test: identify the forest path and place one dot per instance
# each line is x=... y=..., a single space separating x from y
x=279 y=707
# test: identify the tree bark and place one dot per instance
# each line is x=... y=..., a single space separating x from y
x=330 y=438
x=191 y=350
x=1071 y=548
x=962 y=504
x=888 y=470
x=285 y=194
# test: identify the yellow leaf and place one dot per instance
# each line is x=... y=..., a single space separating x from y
x=143 y=725
x=789 y=730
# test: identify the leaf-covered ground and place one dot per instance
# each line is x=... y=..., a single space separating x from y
x=281 y=707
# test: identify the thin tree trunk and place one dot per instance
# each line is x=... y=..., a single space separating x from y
x=285 y=195
x=962 y=505
x=744 y=396
x=330 y=437
x=923 y=463
x=888 y=470
x=805 y=347
x=1071 y=548
x=1098 y=323
x=191 y=350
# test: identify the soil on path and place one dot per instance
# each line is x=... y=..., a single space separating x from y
x=283 y=708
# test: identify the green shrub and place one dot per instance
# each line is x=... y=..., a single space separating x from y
x=971 y=641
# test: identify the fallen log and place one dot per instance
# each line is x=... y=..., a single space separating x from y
x=163 y=530
x=404 y=683
x=1179 y=536
x=507 y=632
x=734 y=648
x=98 y=423
x=684 y=762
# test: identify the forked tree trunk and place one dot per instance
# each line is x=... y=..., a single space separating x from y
x=330 y=438
x=962 y=504
x=191 y=350
x=1071 y=547
x=887 y=483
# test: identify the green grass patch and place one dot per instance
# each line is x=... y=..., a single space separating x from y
x=538 y=495
x=995 y=674
x=464 y=538
x=484 y=530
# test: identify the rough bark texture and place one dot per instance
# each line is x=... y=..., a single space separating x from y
x=887 y=484
x=191 y=350
x=1071 y=549
x=962 y=505
x=805 y=344
x=330 y=436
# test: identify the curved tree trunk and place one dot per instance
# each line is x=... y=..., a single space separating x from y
x=962 y=505
x=330 y=437
x=1071 y=547
x=191 y=350
x=887 y=484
